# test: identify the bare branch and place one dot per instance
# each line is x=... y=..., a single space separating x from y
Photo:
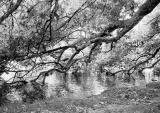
x=10 y=11
x=145 y=61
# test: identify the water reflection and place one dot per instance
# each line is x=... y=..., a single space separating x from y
x=93 y=84
x=93 y=87
x=87 y=87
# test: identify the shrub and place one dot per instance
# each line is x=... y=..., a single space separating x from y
x=156 y=71
x=4 y=90
x=35 y=91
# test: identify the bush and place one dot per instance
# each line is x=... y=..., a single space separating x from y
x=4 y=90
x=34 y=91
x=156 y=71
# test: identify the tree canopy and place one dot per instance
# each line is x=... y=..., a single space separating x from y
x=59 y=33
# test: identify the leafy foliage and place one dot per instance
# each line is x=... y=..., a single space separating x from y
x=33 y=93
x=4 y=90
x=157 y=71
x=40 y=37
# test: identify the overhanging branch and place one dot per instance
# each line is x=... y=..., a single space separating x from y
x=10 y=11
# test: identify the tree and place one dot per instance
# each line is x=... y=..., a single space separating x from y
x=36 y=35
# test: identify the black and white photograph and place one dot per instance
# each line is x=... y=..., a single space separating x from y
x=79 y=56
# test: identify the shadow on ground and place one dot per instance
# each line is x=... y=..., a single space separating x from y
x=114 y=100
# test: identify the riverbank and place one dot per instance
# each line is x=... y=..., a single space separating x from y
x=114 y=100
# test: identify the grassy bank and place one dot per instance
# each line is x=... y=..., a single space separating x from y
x=115 y=100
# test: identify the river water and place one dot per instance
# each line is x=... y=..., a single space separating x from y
x=91 y=86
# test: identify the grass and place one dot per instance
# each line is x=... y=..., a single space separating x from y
x=121 y=100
